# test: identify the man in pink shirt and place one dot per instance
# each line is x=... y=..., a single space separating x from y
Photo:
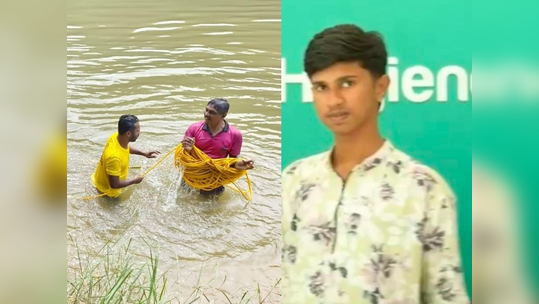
x=215 y=137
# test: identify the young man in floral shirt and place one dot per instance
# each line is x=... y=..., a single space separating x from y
x=364 y=223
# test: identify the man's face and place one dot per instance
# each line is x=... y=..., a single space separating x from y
x=135 y=133
x=346 y=96
x=212 y=116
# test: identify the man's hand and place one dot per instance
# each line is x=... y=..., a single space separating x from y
x=243 y=165
x=137 y=180
x=152 y=154
x=188 y=144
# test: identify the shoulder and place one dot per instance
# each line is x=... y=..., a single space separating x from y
x=112 y=140
x=112 y=145
x=305 y=165
x=196 y=125
x=422 y=175
x=308 y=170
x=194 y=128
x=113 y=158
x=235 y=131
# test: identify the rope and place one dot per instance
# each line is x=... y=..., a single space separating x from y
x=158 y=163
x=207 y=174
x=88 y=198
x=201 y=172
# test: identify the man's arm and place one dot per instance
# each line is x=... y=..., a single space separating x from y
x=149 y=154
x=237 y=143
x=443 y=279
x=188 y=141
x=290 y=241
x=235 y=151
x=244 y=164
x=117 y=183
x=113 y=169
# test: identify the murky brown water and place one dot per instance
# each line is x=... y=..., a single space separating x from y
x=163 y=61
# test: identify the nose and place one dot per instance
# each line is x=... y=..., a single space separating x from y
x=335 y=98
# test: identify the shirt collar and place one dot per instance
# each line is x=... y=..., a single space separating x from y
x=378 y=158
x=207 y=128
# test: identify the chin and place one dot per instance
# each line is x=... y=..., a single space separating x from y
x=340 y=130
x=341 y=133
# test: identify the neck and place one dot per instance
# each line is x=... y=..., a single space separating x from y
x=124 y=141
x=216 y=127
x=352 y=149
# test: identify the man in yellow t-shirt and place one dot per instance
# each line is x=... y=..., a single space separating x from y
x=110 y=176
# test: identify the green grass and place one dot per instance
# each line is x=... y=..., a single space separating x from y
x=115 y=277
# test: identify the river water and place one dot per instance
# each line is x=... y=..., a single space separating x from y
x=163 y=61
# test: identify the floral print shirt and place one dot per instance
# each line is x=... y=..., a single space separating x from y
x=385 y=236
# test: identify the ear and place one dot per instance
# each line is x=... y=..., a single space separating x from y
x=224 y=115
x=381 y=87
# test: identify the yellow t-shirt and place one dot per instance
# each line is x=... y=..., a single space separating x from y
x=114 y=162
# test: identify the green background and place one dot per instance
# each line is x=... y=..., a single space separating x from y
x=506 y=126
x=434 y=34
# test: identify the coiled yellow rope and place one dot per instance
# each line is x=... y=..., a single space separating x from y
x=203 y=173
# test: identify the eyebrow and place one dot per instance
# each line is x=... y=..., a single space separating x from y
x=347 y=77
x=339 y=79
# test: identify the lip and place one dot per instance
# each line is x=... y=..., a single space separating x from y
x=338 y=115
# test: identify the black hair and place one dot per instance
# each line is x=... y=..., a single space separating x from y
x=127 y=123
x=346 y=43
x=221 y=105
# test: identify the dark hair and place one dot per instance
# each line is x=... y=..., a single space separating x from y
x=126 y=124
x=346 y=43
x=221 y=105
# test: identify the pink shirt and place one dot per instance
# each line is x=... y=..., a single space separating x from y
x=225 y=144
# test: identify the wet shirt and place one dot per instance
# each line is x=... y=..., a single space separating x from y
x=114 y=162
x=226 y=143
x=385 y=236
